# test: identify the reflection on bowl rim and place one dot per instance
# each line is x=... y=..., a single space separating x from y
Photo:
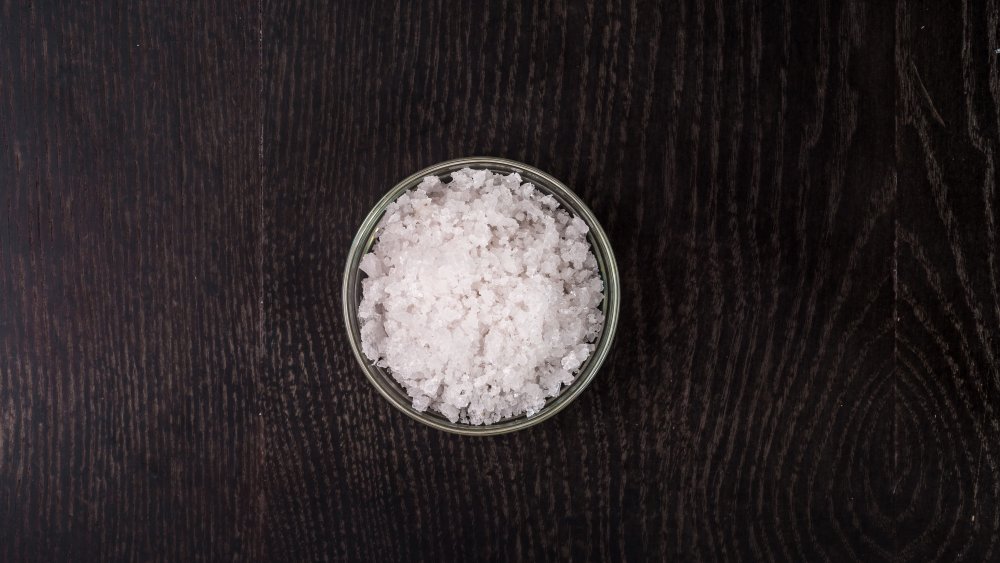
x=390 y=389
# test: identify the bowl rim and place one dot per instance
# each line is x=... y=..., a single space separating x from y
x=365 y=236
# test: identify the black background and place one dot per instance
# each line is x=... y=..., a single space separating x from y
x=802 y=197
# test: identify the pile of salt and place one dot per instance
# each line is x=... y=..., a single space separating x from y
x=482 y=296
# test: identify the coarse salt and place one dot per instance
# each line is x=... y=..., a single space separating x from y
x=481 y=298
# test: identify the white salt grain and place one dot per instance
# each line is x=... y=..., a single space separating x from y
x=482 y=296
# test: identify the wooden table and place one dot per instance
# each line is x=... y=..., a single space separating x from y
x=803 y=200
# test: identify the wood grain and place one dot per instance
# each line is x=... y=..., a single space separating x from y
x=129 y=281
x=802 y=197
x=947 y=490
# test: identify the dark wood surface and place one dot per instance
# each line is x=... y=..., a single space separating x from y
x=130 y=317
x=802 y=197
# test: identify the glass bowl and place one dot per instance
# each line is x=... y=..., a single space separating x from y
x=368 y=234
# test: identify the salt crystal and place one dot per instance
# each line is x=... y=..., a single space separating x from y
x=482 y=296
